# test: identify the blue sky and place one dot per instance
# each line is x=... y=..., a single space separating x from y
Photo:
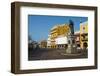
x=39 y=25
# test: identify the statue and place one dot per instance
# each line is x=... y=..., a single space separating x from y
x=71 y=39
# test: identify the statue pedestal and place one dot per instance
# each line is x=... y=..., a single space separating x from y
x=71 y=49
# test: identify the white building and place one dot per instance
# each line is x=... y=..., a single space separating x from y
x=49 y=41
x=61 y=42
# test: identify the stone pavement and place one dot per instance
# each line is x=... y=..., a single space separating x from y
x=47 y=54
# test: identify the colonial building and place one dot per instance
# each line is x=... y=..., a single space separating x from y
x=61 y=42
x=58 y=35
x=77 y=38
x=49 y=41
x=43 y=44
x=54 y=33
x=84 y=34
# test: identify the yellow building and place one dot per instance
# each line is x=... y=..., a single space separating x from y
x=56 y=31
x=84 y=34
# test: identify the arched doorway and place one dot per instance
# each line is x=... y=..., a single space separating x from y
x=85 y=45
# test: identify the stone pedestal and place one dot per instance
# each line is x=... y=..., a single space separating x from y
x=71 y=45
x=71 y=49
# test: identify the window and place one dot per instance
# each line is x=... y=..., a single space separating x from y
x=73 y=41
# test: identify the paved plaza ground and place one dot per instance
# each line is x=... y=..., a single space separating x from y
x=48 y=54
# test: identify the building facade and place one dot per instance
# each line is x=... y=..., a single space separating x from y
x=58 y=37
x=54 y=34
x=77 y=38
x=84 y=34
x=58 y=34
x=49 y=41
x=61 y=42
x=43 y=44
